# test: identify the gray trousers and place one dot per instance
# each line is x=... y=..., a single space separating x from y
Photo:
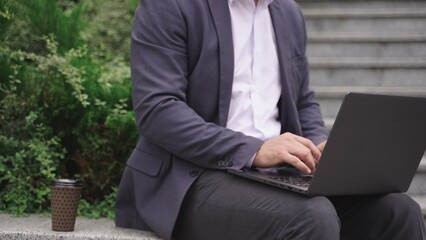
x=220 y=206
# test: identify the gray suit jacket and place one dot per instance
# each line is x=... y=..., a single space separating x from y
x=182 y=72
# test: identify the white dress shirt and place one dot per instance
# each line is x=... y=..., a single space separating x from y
x=256 y=88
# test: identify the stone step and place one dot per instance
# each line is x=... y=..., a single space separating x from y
x=338 y=92
x=362 y=44
x=418 y=185
x=366 y=37
x=368 y=62
x=368 y=77
x=363 y=13
x=368 y=71
x=360 y=4
x=331 y=97
x=368 y=25
x=421 y=200
x=366 y=19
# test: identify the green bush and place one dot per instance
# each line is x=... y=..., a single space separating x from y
x=65 y=104
x=29 y=155
x=109 y=42
x=64 y=25
x=6 y=13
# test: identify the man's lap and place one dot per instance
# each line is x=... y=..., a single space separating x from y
x=222 y=206
x=228 y=207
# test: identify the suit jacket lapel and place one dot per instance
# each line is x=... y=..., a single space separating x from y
x=283 y=50
x=222 y=20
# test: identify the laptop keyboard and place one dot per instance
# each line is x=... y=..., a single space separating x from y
x=301 y=181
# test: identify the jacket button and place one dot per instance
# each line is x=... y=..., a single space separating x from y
x=222 y=163
x=194 y=173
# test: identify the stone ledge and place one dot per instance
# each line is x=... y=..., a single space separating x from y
x=37 y=227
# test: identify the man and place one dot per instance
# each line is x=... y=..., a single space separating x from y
x=221 y=84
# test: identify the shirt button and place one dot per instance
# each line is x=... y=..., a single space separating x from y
x=194 y=173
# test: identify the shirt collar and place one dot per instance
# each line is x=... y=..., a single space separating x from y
x=267 y=1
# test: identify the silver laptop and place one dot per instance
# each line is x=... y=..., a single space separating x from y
x=375 y=146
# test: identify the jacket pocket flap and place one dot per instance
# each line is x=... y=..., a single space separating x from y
x=145 y=162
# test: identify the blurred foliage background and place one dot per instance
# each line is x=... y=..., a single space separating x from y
x=65 y=104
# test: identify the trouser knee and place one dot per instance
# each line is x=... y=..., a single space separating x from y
x=318 y=220
x=402 y=211
x=390 y=217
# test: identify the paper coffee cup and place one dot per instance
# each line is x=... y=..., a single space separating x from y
x=64 y=203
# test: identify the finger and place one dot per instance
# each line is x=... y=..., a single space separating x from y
x=309 y=144
x=321 y=146
x=304 y=154
x=297 y=163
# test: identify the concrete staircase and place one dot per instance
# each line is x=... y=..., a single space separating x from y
x=367 y=46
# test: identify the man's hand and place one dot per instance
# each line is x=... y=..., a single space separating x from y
x=288 y=148
x=321 y=146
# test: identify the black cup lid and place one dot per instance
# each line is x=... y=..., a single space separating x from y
x=66 y=182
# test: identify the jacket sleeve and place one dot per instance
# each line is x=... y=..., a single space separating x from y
x=159 y=67
x=311 y=120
